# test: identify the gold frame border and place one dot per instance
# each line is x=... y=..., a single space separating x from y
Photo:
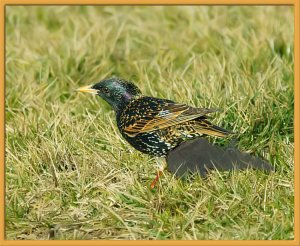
x=296 y=5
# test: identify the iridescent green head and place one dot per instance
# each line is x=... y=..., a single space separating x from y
x=117 y=92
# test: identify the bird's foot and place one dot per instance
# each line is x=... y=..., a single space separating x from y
x=159 y=173
x=161 y=167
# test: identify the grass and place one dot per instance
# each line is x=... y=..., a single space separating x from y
x=70 y=174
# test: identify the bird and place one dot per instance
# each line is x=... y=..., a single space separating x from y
x=153 y=126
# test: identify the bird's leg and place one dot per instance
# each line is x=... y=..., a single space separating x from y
x=161 y=166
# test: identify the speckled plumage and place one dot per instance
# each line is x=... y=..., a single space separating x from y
x=153 y=126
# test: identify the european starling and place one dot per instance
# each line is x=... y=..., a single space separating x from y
x=152 y=125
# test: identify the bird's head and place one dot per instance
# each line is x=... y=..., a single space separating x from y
x=117 y=92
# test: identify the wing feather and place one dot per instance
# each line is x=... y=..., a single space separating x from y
x=165 y=116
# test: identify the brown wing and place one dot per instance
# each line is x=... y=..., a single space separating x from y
x=165 y=116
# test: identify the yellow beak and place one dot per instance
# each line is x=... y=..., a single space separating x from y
x=87 y=89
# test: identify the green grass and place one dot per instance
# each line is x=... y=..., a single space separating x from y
x=70 y=174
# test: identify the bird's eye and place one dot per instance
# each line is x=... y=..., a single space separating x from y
x=105 y=90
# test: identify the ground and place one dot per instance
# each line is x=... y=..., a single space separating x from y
x=70 y=174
